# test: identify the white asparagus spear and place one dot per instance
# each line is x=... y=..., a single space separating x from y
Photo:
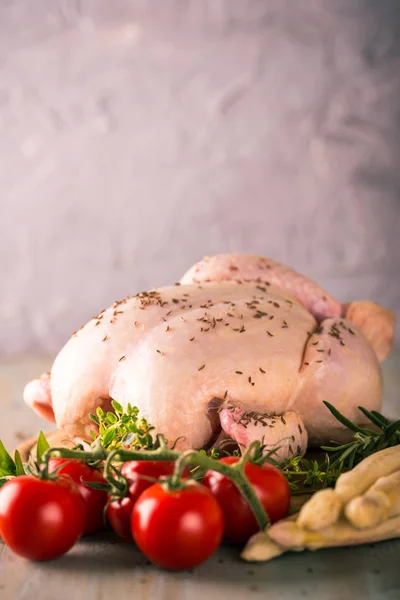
x=287 y=535
x=292 y=537
x=381 y=501
x=261 y=548
x=355 y=482
x=325 y=506
x=320 y=511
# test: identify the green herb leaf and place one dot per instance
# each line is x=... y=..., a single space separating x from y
x=94 y=418
x=18 y=464
x=108 y=437
x=3 y=481
x=111 y=418
x=376 y=419
x=393 y=427
x=7 y=466
x=41 y=446
x=117 y=407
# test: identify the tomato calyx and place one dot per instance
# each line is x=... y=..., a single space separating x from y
x=259 y=455
x=174 y=483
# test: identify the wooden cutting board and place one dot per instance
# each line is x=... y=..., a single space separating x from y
x=57 y=438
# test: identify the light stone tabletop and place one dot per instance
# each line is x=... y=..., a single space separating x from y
x=103 y=568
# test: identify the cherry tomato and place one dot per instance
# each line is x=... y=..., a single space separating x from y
x=269 y=484
x=141 y=474
x=119 y=514
x=95 y=500
x=41 y=519
x=144 y=473
x=177 y=529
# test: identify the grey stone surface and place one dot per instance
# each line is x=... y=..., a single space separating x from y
x=100 y=568
x=136 y=136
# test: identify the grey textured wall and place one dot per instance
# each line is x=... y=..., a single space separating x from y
x=137 y=136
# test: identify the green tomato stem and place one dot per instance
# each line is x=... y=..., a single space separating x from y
x=192 y=457
x=97 y=454
x=233 y=472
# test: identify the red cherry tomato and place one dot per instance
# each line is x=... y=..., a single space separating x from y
x=177 y=529
x=144 y=473
x=41 y=519
x=269 y=484
x=119 y=514
x=95 y=500
x=141 y=474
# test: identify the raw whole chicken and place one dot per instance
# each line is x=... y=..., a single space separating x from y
x=242 y=347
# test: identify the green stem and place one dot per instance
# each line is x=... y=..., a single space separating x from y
x=234 y=472
x=97 y=454
x=121 y=455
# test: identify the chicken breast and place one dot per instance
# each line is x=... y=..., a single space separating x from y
x=247 y=351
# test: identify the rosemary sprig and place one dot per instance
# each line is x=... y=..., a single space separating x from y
x=342 y=457
x=365 y=441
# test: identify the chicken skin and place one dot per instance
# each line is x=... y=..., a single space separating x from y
x=242 y=345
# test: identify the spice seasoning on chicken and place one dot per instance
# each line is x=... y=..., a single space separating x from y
x=201 y=368
x=259 y=314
